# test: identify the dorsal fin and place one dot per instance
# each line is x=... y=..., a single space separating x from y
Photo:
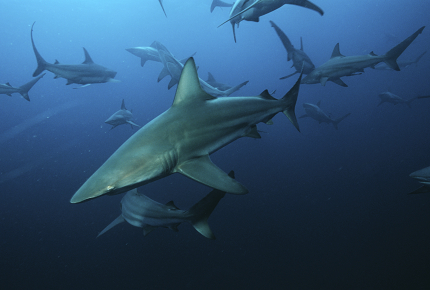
x=301 y=43
x=8 y=84
x=373 y=54
x=210 y=78
x=319 y=103
x=171 y=205
x=189 y=89
x=265 y=94
x=88 y=59
x=154 y=45
x=123 y=105
x=56 y=62
x=336 y=51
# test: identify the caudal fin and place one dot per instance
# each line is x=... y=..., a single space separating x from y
x=23 y=90
x=392 y=55
x=291 y=99
x=337 y=121
x=284 y=39
x=41 y=63
x=116 y=221
x=201 y=211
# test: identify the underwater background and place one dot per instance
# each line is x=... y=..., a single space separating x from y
x=326 y=208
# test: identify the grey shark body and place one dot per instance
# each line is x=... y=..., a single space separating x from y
x=423 y=176
x=145 y=53
x=339 y=65
x=301 y=61
x=141 y=211
x=388 y=97
x=402 y=64
x=181 y=139
x=86 y=73
x=314 y=111
x=252 y=10
x=7 y=89
x=219 y=3
x=173 y=67
x=121 y=117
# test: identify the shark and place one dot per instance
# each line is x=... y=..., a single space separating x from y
x=181 y=139
x=121 y=117
x=402 y=64
x=315 y=112
x=7 y=88
x=423 y=176
x=173 y=67
x=219 y=3
x=388 y=97
x=252 y=10
x=141 y=211
x=86 y=73
x=162 y=7
x=339 y=65
x=214 y=83
x=301 y=61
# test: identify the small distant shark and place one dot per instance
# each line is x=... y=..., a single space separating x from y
x=388 y=97
x=7 y=89
x=149 y=53
x=423 y=175
x=173 y=67
x=181 y=139
x=252 y=10
x=219 y=3
x=214 y=83
x=339 y=65
x=316 y=113
x=402 y=64
x=301 y=61
x=141 y=211
x=121 y=117
x=85 y=74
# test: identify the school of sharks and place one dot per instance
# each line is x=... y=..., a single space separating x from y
x=204 y=118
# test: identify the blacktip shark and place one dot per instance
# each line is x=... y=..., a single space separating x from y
x=315 y=112
x=402 y=64
x=121 y=117
x=7 y=89
x=181 y=139
x=301 y=61
x=339 y=65
x=219 y=3
x=252 y=10
x=143 y=212
x=213 y=82
x=423 y=176
x=85 y=74
x=389 y=97
x=173 y=67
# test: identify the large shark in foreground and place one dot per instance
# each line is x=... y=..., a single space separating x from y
x=7 y=89
x=85 y=74
x=252 y=10
x=141 y=211
x=301 y=61
x=121 y=117
x=181 y=139
x=317 y=114
x=423 y=175
x=339 y=65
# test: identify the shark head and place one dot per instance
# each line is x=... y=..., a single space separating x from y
x=422 y=174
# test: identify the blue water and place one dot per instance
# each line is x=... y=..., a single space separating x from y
x=327 y=209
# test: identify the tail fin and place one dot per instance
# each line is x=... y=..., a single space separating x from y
x=201 y=211
x=235 y=88
x=41 y=63
x=23 y=90
x=285 y=41
x=337 y=121
x=312 y=6
x=392 y=55
x=116 y=221
x=291 y=99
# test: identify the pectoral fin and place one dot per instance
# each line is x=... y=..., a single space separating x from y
x=323 y=80
x=133 y=123
x=202 y=170
x=118 y=220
